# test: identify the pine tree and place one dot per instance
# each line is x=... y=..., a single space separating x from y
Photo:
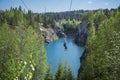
x=64 y=73
x=48 y=75
x=69 y=75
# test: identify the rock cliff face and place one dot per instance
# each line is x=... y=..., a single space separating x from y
x=59 y=32
x=82 y=34
x=48 y=34
x=81 y=40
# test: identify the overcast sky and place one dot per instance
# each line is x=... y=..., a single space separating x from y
x=59 y=5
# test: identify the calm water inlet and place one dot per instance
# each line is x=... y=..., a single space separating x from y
x=57 y=53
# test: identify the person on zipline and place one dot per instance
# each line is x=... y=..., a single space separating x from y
x=65 y=43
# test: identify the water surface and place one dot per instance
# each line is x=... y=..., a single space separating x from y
x=56 y=53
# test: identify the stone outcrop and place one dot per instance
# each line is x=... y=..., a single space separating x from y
x=48 y=34
x=59 y=32
x=82 y=34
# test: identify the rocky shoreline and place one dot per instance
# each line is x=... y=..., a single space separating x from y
x=48 y=34
x=51 y=34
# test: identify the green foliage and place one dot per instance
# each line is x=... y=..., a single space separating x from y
x=71 y=25
x=48 y=22
x=107 y=13
x=99 y=18
x=9 y=53
x=63 y=73
x=60 y=72
x=33 y=53
x=48 y=75
x=30 y=18
x=14 y=17
x=88 y=16
x=21 y=54
x=2 y=18
x=69 y=75
x=102 y=51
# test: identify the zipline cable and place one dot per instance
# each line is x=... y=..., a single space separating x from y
x=25 y=4
x=70 y=5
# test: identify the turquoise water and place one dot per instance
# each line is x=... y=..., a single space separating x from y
x=56 y=53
